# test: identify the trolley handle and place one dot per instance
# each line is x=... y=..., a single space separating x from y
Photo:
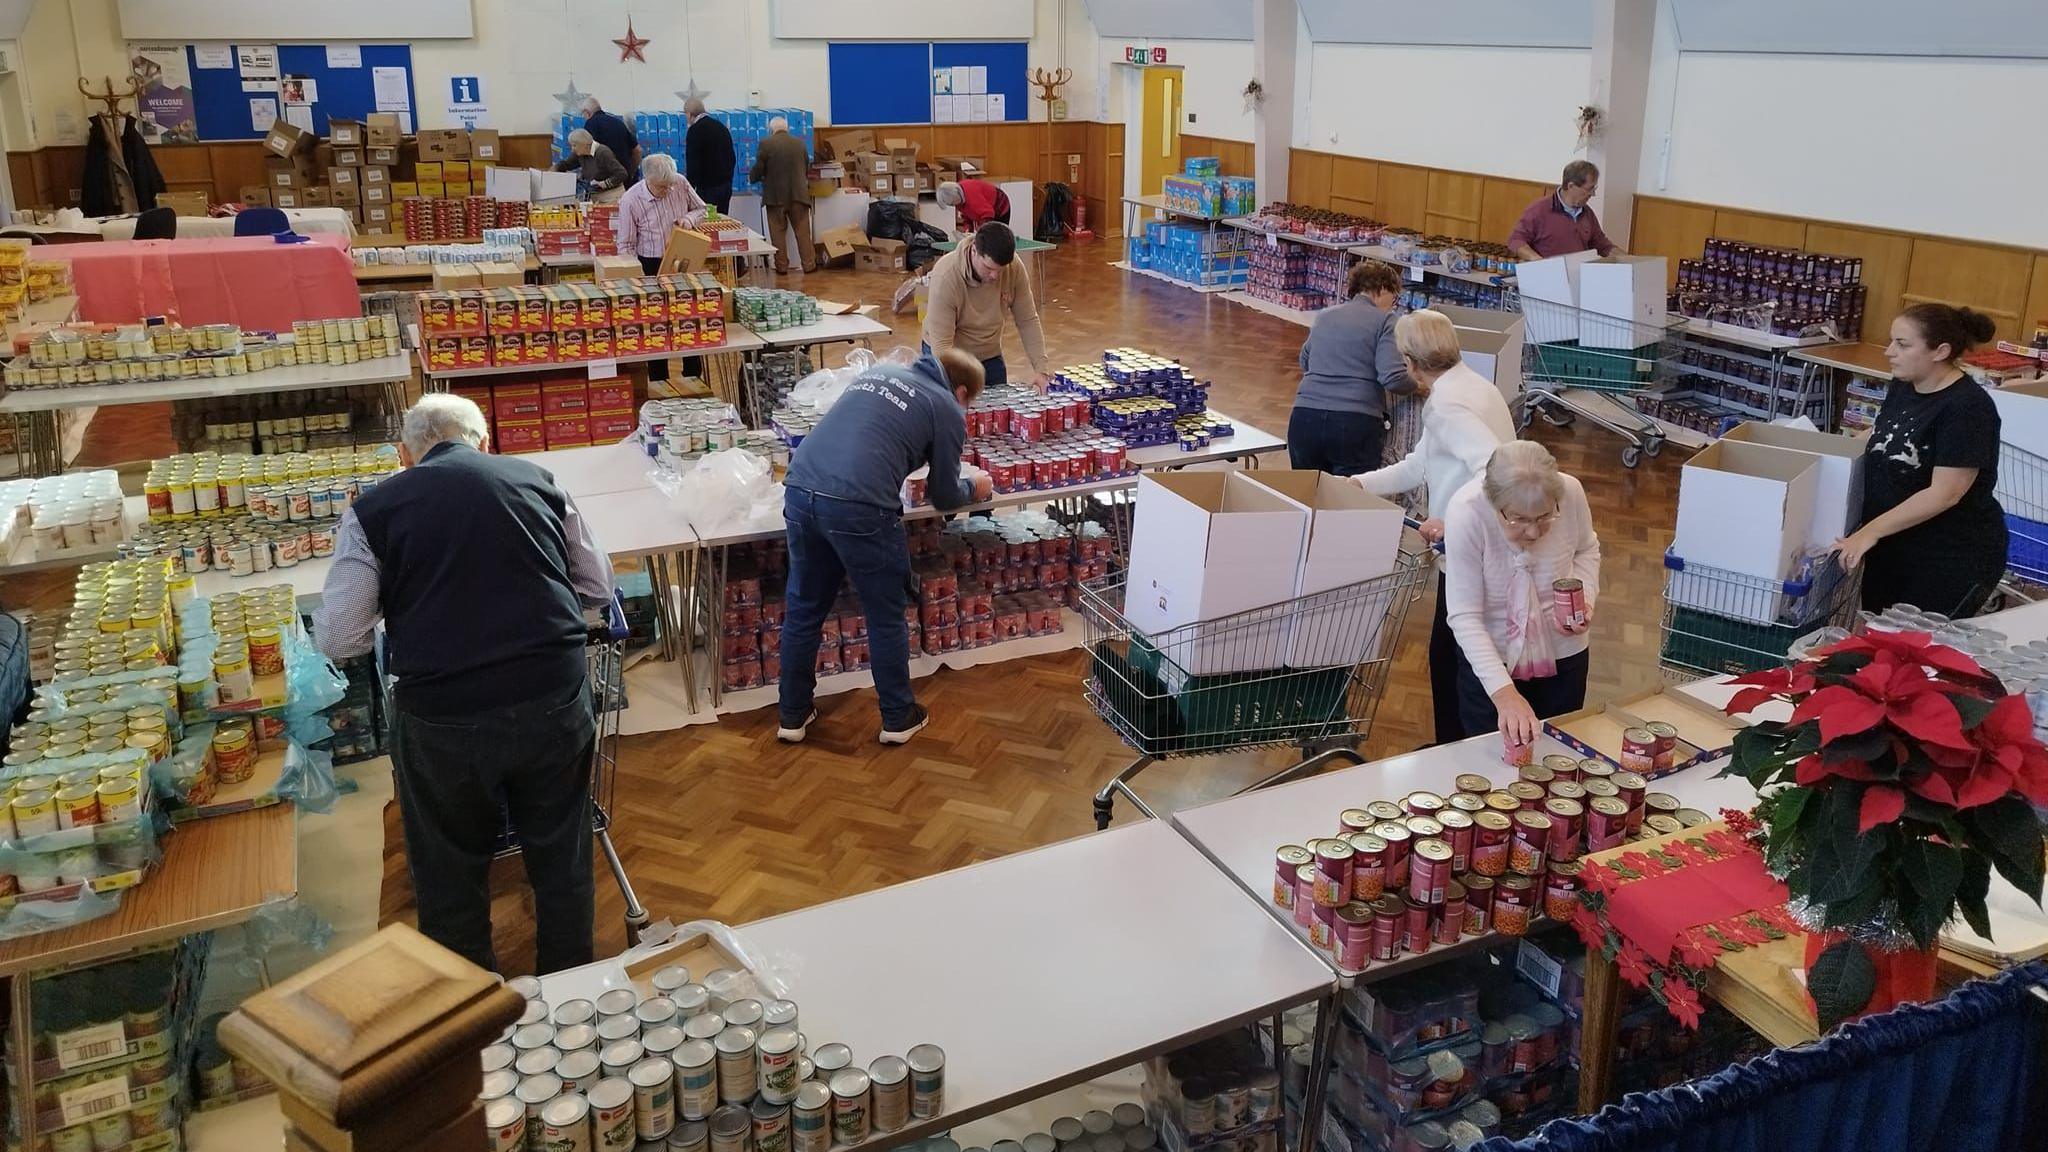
x=612 y=623
x=1794 y=588
x=1436 y=546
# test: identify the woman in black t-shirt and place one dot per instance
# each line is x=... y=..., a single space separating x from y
x=1933 y=535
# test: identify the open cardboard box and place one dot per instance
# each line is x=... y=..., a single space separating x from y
x=1745 y=508
x=258 y=791
x=1208 y=545
x=2023 y=416
x=1353 y=537
x=700 y=955
x=1703 y=734
x=1838 y=485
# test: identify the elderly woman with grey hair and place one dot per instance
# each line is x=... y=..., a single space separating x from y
x=596 y=168
x=649 y=212
x=1511 y=536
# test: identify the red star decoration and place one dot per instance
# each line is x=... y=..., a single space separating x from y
x=630 y=47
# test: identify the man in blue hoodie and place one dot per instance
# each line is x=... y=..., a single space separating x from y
x=843 y=511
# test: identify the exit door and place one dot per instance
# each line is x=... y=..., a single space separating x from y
x=1159 y=136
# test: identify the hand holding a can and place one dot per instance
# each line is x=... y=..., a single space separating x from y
x=1518 y=724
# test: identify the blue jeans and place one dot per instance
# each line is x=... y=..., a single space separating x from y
x=993 y=370
x=1340 y=443
x=831 y=541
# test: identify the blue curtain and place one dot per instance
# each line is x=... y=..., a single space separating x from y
x=1952 y=1076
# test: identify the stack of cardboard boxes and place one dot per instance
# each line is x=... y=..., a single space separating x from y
x=555 y=411
x=358 y=169
x=886 y=169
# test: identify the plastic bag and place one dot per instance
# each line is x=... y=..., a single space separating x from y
x=770 y=980
x=57 y=872
x=727 y=490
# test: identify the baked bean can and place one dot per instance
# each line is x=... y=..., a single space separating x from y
x=1661 y=825
x=1666 y=752
x=850 y=1123
x=1596 y=787
x=1502 y=800
x=1478 y=904
x=1288 y=860
x=1590 y=769
x=1423 y=803
x=1470 y=803
x=1415 y=933
x=889 y=1081
x=1634 y=791
x=1385 y=810
x=1368 y=867
x=1514 y=900
x=1474 y=783
x=1531 y=843
x=1333 y=873
x=1693 y=817
x=1354 y=936
x=1528 y=794
x=1514 y=754
x=654 y=1097
x=1458 y=831
x=1567 y=828
x=927 y=1080
x=1305 y=894
x=1568 y=597
x=1537 y=774
x=1450 y=919
x=505 y=1117
x=736 y=1065
x=1322 y=931
x=1388 y=919
x=1429 y=869
x=1354 y=820
x=778 y=1052
x=1606 y=823
x=1491 y=833
x=1661 y=804
x=810 y=1119
x=1639 y=751
x=1398 y=839
x=1561 y=767
x=771 y=1126
x=696 y=1064
x=565 y=1125
x=1424 y=828
x=1561 y=891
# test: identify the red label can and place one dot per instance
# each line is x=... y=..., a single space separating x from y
x=1561 y=768
x=1429 y=869
x=1423 y=803
x=1478 y=905
x=1491 y=832
x=1531 y=844
x=1287 y=862
x=1368 y=866
x=1606 y=823
x=1415 y=926
x=1354 y=936
x=1561 y=891
x=1665 y=756
x=1633 y=789
x=1568 y=597
x=1474 y=783
x=1515 y=755
x=1305 y=895
x=1333 y=873
x=1450 y=919
x=1354 y=820
x=1322 y=931
x=1388 y=918
x=1639 y=751
x=1514 y=899
x=1567 y=828
x=1397 y=838
x=1458 y=832
x=1529 y=795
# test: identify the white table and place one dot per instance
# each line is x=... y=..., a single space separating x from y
x=826 y=330
x=305 y=221
x=1035 y=971
x=598 y=471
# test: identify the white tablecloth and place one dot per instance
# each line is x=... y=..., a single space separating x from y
x=306 y=221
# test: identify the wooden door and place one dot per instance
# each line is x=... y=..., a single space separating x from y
x=1160 y=133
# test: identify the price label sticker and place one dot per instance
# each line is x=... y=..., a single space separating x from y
x=100 y=1098
x=1272 y=241
x=1415 y=274
x=91 y=1045
x=604 y=369
x=1536 y=965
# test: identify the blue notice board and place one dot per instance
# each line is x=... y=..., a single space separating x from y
x=891 y=83
x=344 y=93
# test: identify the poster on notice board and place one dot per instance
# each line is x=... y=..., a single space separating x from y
x=166 y=112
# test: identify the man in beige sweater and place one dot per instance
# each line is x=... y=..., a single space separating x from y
x=969 y=289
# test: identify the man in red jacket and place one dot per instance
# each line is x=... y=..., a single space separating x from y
x=977 y=202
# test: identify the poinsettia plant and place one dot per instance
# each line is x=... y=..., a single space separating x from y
x=1905 y=774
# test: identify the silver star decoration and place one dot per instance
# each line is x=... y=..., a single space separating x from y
x=572 y=98
x=692 y=92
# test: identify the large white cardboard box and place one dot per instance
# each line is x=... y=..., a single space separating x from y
x=1744 y=508
x=1206 y=545
x=1353 y=537
x=2023 y=417
x=1621 y=301
x=1550 y=296
x=1491 y=341
x=1838 y=485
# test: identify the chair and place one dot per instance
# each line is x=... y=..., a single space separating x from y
x=17 y=234
x=261 y=220
x=157 y=224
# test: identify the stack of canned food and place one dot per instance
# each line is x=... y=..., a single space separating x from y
x=69 y=511
x=242 y=647
x=774 y=309
x=699 y=1066
x=53 y=784
x=248 y=514
x=136 y=353
x=133 y=599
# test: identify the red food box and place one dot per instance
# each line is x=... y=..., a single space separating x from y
x=508 y=348
x=568 y=431
x=853 y=624
x=610 y=395
x=975 y=599
x=654 y=336
x=828 y=660
x=444 y=353
x=710 y=301
x=682 y=334
x=828 y=634
x=563 y=397
x=1011 y=621
x=597 y=343
x=628 y=340
x=710 y=331
x=469 y=312
x=942 y=639
x=771 y=667
x=501 y=312
x=597 y=312
x=854 y=655
x=771 y=611
x=570 y=345
x=738 y=675
x=516 y=402
x=517 y=436
x=771 y=640
x=476 y=351
x=939 y=613
x=533 y=312
x=612 y=427
x=565 y=313
x=740 y=644
x=937 y=582
x=741 y=617
x=984 y=632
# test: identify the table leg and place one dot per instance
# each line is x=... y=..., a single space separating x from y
x=1313 y=1093
x=1597 y=1037
x=21 y=1072
x=664 y=601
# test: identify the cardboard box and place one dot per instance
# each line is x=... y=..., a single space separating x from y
x=1744 y=508
x=345 y=133
x=183 y=203
x=520 y=436
x=345 y=196
x=404 y=189
x=316 y=197
x=1838 y=486
x=958 y=168
x=255 y=195
x=377 y=217
x=881 y=256
x=376 y=194
x=442 y=144
x=1703 y=734
x=2022 y=417
x=613 y=425
x=563 y=397
x=380 y=157
x=902 y=158
x=1554 y=284
x=499 y=274
x=1491 y=343
x=427 y=171
x=292 y=172
x=286 y=198
x=1352 y=537
x=516 y=401
x=927 y=180
x=880 y=186
x=380 y=130
x=453 y=170
x=288 y=139
x=347 y=158
x=483 y=144
x=374 y=174
x=840 y=145
x=840 y=244
x=1621 y=301
x=615 y=267
x=611 y=395
x=455 y=278
x=457 y=189
x=567 y=431
x=432 y=189
x=341 y=177
x=1207 y=545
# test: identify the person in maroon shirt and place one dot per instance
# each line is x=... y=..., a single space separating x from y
x=1561 y=222
x=976 y=201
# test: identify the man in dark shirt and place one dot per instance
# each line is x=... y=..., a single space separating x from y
x=612 y=132
x=1561 y=222
x=843 y=511
x=708 y=157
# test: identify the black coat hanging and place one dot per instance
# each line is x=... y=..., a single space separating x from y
x=120 y=175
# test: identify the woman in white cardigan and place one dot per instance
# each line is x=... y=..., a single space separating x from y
x=1464 y=419
x=1508 y=537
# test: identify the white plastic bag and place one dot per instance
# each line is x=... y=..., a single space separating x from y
x=761 y=976
x=728 y=490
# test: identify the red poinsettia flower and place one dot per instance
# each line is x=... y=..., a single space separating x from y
x=1698 y=949
x=1684 y=1002
x=1726 y=841
x=1589 y=928
x=2013 y=757
x=1741 y=931
x=1599 y=878
x=1687 y=853
x=1643 y=864
x=1913 y=701
x=1759 y=688
x=1909 y=648
x=1633 y=965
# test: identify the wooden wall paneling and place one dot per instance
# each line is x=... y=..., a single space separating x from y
x=1235 y=156
x=527 y=151
x=1309 y=177
x=1990 y=279
x=1671 y=229
x=2037 y=300
x=1886 y=256
x=1758 y=228
x=1014 y=150
x=1453 y=203
x=1502 y=202
x=21 y=179
x=1403 y=199
x=1354 y=185
x=185 y=166
x=958 y=140
x=235 y=165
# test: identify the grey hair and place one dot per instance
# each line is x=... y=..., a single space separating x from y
x=660 y=166
x=580 y=136
x=950 y=195
x=590 y=105
x=778 y=123
x=693 y=107
x=1522 y=476
x=440 y=417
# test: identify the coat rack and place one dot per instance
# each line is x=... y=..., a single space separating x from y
x=108 y=96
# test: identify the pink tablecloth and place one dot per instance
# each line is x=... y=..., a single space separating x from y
x=253 y=282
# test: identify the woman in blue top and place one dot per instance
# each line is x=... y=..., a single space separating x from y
x=1348 y=366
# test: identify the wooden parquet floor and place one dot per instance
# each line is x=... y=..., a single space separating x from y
x=721 y=821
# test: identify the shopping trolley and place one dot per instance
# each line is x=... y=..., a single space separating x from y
x=1717 y=621
x=1581 y=363
x=1308 y=672
x=2022 y=492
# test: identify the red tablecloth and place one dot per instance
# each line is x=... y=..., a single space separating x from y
x=253 y=281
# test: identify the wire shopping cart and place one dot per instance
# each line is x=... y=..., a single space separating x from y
x=1717 y=621
x=1308 y=672
x=2022 y=492
x=1581 y=363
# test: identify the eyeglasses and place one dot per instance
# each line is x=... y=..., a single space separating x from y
x=1543 y=521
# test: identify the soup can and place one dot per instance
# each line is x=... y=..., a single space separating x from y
x=1634 y=791
x=810 y=1120
x=771 y=1126
x=565 y=1124
x=1415 y=931
x=732 y=1129
x=1665 y=753
x=1514 y=901
x=1660 y=825
x=1354 y=936
x=927 y=1080
x=1368 y=867
x=1639 y=751
x=1458 y=831
x=611 y=1115
x=1514 y=754
x=1429 y=869
x=1561 y=891
x=654 y=1098
x=736 y=1065
x=1478 y=905
x=696 y=1064
x=1354 y=820
x=1423 y=803
x=578 y=1070
x=1537 y=774
x=850 y=1121
x=1474 y=783
x=1385 y=810
x=1491 y=832
x=1388 y=919
x=1528 y=794
x=1568 y=599
x=1606 y=823
x=1333 y=873
x=1561 y=767
x=1450 y=918
x=778 y=1052
x=889 y=1085
x=1567 y=828
x=1305 y=894
x=1287 y=863
x=506 y=1120
x=1322 y=930
x=1531 y=843
x=1398 y=839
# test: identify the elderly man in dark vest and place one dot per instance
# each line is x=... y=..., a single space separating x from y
x=480 y=569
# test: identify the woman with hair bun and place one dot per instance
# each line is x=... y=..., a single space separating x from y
x=1933 y=535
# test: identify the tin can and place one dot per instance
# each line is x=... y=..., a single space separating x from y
x=1634 y=791
x=1606 y=823
x=1388 y=918
x=506 y=1120
x=1415 y=933
x=778 y=1014
x=1596 y=787
x=1528 y=794
x=1639 y=751
x=732 y=1129
x=1656 y=825
x=736 y=1065
x=571 y=1012
x=1478 y=905
x=1661 y=804
x=1322 y=930
x=655 y=1012
x=35 y=813
x=1531 y=843
x=1429 y=869
x=667 y=980
x=1354 y=820
x=691 y=1000
x=1561 y=891
x=1503 y=801
x=1474 y=783
x=1665 y=754
x=1590 y=769
x=654 y=1098
x=696 y=1064
x=611 y=1115
x=612 y=1029
x=1287 y=862
x=662 y=1041
x=565 y=1125
x=742 y=1014
x=619 y=1057
x=1398 y=841
x=810 y=1120
x=850 y=1121
x=1514 y=901
x=1368 y=867
x=889 y=1088
x=496 y=1057
x=618 y=1002
x=1561 y=768
x=583 y=1038
x=1354 y=936
x=1470 y=803
x=535 y=1061
x=927 y=1080
x=266 y=650
x=1491 y=833
x=1536 y=774
x=1458 y=831
x=78 y=806
x=1515 y=755
x=771 y=1126
x=1305 y=894
x=1423 y=803
x=535 y=1093
x=777 y=1054
x=1450 y=919
x=499 y=1084
x=234 y=751
x=1567 y=828
x=1693 y=818
x=1333 y=873
x=1568 y=598
x=1523 y=1044
x=578 y=1070
x=1385 y=810
x=690 y=1136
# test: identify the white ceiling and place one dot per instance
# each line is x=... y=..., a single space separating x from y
x=14 y=17
x=1494 y=23
x=1171 y=19
x=1866 y=27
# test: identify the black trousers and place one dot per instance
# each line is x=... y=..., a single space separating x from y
x=656 y=369
x=458 y=779
x=1445 y=661
x=1340 y=443
x=1553 y=695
